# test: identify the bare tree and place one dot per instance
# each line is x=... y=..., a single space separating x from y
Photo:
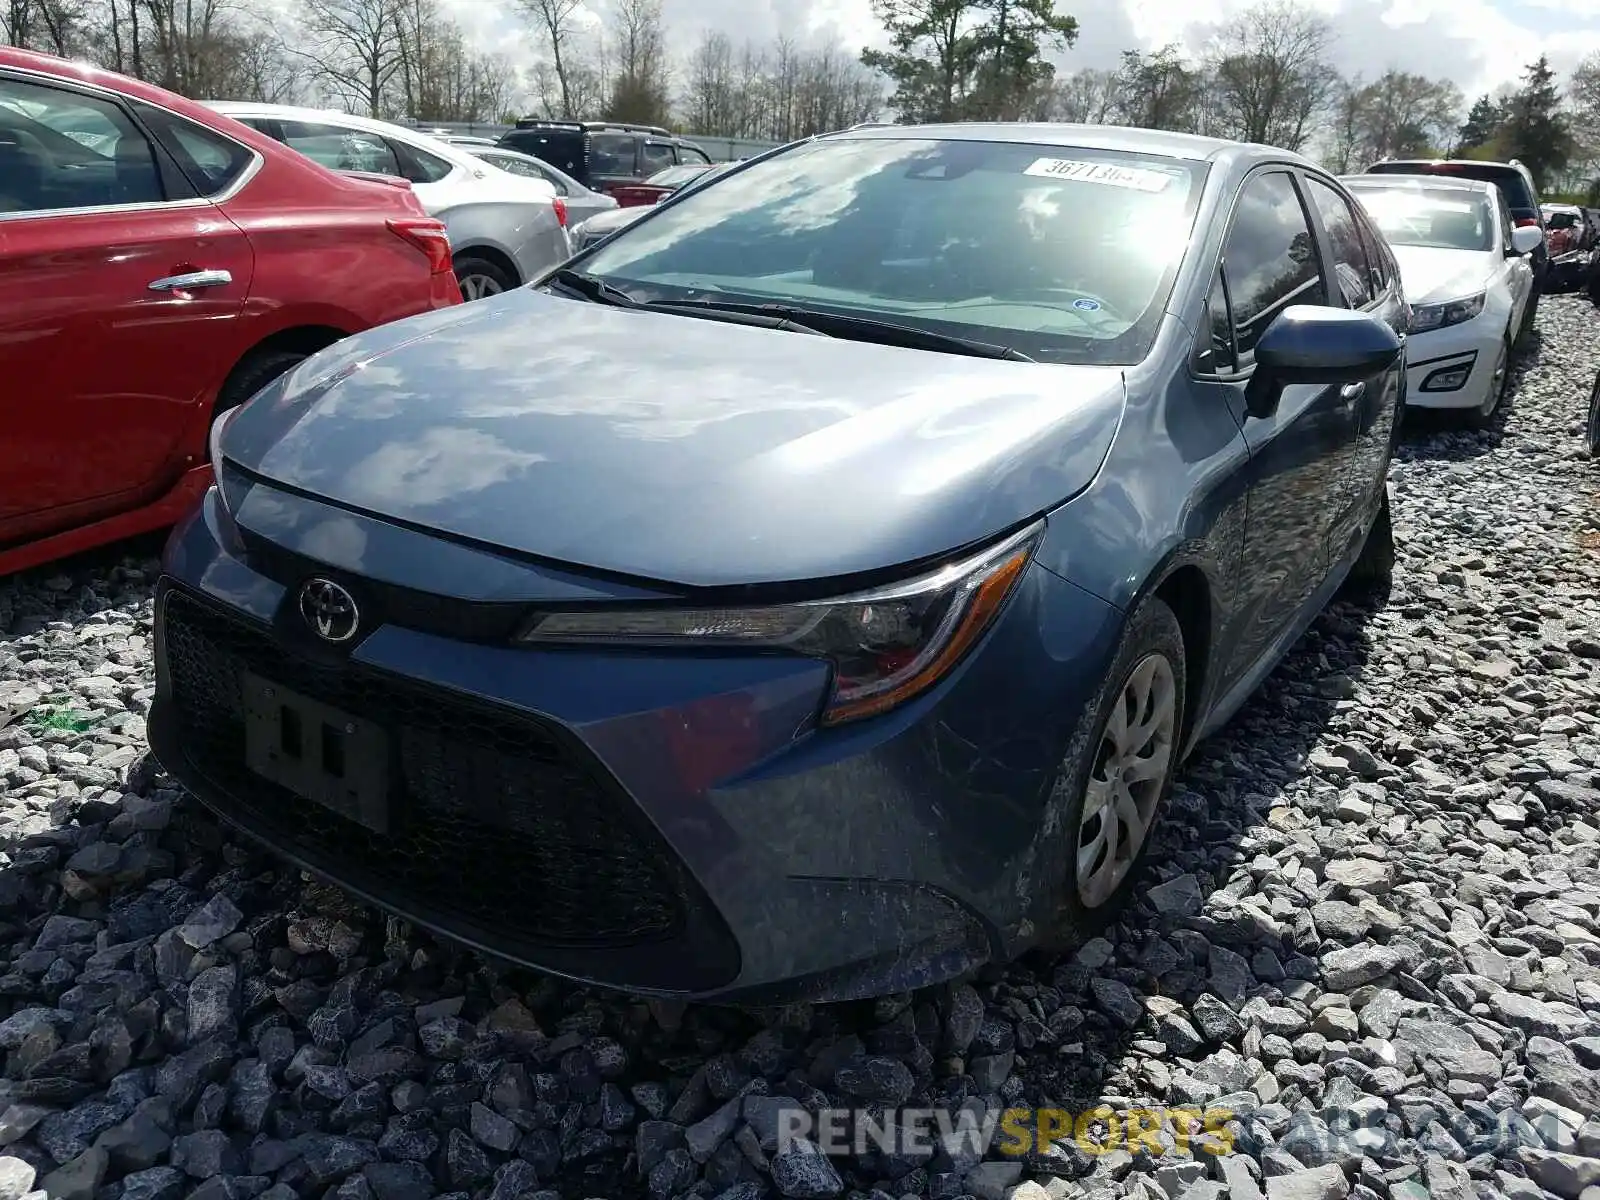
x=639 y=87
x=356 y=48
x=779 y=93
x=55 y=26
x=1088 y=96
x=1158 y=90
x=1270 y=74
x=553 y=19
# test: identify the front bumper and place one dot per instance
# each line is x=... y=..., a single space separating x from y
x=1432 y=357
x=667 y=824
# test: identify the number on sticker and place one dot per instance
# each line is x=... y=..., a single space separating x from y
x=1109 y=174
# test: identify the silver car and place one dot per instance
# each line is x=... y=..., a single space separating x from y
x=582 y=202
x=504 y=229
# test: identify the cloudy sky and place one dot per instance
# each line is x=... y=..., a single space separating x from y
x=1480 y=44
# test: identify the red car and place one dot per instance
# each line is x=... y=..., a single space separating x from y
x=659 y=186
x=160 y=263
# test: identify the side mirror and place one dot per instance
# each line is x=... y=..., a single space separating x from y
x=1525 y=239
x=1315 y=344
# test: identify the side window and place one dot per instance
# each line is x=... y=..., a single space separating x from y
x=1507 y=221
x=689 y=154
x=1350 y=265
x=60 y=149
x=1377 y=259
x=539 y=173
x=1216 y=356
x=655 y=156
x=611 y=154
x=340 y=149
x=418 y=165
x=211 y=162
x=1270 y=258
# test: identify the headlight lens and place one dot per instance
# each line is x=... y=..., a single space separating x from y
x=1438 y=316
x=886 y=645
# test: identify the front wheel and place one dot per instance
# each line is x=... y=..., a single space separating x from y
x=1372 y=574
x=1114 y=780
x=1483 y=417
x=1525 y=330
x=1592 y=426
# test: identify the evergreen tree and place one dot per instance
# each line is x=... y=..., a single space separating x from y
x=1536 y=129
x=1481 y=125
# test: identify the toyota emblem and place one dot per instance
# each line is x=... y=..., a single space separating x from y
x=329 y=610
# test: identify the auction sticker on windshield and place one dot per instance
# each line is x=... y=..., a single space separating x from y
x=1136 y=178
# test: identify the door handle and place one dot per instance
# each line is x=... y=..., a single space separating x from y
x=191 y=280
x=1350 y=393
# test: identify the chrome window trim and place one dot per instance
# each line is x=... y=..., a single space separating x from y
x=122 y=100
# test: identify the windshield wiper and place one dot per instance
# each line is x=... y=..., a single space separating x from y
x=865 y=329
x=736 y=316
x=592 y=287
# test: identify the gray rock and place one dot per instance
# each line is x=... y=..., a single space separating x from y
x=1317 y=1183
x=802 y=1172
x=78 y=1179
x=16 y=1177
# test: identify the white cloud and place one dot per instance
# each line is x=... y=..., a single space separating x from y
x=1481 y=45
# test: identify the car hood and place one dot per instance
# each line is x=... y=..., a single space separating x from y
x=677 y=449
x=1431 y=275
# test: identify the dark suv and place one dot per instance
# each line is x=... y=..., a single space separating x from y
x=602 y=154
x=1514 y=181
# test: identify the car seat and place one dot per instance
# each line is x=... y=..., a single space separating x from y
x=137 y=181
x=23 y=168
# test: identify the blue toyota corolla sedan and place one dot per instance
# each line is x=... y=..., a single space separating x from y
x=811 y=590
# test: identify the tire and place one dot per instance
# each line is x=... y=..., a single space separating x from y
x=1372 y=574
x=479 y=278
x=1482 y=418
x=1085 y=900
x=254 y=372
x=1592 y=425
x=1525 y=330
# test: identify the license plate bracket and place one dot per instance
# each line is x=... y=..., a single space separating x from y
x=329 y=756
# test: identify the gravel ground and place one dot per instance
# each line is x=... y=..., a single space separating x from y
x=1378 y=906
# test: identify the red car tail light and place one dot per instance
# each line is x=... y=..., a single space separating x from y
x=428 y=236
x=561 y=211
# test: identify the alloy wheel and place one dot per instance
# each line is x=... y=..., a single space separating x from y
x=1125 y=784
x=478 y=287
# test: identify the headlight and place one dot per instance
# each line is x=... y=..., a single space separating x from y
x=1437 y=316
x=886 y=645
x=214 y=444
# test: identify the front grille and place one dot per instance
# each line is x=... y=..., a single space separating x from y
x=497 y=819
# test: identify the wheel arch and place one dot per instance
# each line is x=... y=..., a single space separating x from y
x=303 y=339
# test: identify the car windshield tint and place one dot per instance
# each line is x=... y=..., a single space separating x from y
x=1443 y=219
x=1065 y=254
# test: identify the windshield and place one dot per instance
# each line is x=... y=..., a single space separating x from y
x=1066 y=255
x=1443 y=219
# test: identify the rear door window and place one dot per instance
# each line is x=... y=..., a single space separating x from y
x=211 y=162
x=655 y=156
x=612 y=154
x=340 y=149
x=419 y=166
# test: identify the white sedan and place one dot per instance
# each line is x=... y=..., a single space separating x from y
x=504 y=229
x=1465 y=267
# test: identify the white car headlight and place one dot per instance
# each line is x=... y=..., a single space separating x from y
x=1453 y=312
x=886 y=645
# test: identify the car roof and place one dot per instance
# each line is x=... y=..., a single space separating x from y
x=457 y=155
x=1160 y=143
x=1434 y=183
